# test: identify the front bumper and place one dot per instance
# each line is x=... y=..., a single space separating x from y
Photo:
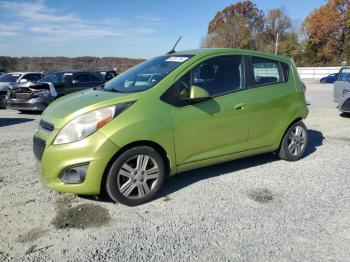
x=96 y=150
x=34 y=104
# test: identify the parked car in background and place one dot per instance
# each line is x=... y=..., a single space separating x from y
x=107 y=75
x=330 y=78
x=171 y=114
x=38 y=95
x=16 y=77
x=342 y=90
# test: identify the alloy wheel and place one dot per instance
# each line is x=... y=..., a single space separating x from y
x=297 y=141
x=138 y=177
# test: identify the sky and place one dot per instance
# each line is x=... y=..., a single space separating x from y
x=124 y=28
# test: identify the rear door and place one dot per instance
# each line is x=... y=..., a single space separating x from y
x=271 y=93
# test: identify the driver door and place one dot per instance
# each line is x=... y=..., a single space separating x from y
x=215 y=127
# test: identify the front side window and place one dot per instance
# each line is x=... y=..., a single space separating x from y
x=266 y=71
x=32 y=77
x=52 y=78
x=344 y=75
x=147 y=74
x=217 y=76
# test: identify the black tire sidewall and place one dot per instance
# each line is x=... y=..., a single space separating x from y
x=2 y=101
x=284 y=146
x=111 y=181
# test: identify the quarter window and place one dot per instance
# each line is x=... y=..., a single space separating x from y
x=266 y=71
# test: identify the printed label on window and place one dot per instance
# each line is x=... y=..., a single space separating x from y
x=178 y=59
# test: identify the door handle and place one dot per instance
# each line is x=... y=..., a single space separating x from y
x=239 y=106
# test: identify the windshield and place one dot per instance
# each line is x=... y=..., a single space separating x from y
x=56 y=77
x=146 y=75
x=9 y=78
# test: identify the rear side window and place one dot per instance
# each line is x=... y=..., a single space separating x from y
x=82 y=78
x=94 y=78
x=266 y=71
x=344 y=75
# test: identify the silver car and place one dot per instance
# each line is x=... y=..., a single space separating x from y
x=342 y=90
x=15 y=77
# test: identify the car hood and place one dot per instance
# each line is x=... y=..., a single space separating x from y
x=68 y=107
x=4 y=86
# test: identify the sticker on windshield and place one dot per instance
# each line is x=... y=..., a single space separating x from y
x=178 y=59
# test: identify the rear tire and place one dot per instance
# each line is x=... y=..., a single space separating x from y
x=135 y=176
x=294 y=142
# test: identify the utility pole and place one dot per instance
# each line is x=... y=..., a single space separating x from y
x=276 y=47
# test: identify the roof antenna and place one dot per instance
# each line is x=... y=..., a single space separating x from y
x=172 y=51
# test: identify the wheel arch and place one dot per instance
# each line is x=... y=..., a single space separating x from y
x=286 y=129
x=148 y=143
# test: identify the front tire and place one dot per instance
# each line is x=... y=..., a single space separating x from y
x=135 y=176
x=294 y=142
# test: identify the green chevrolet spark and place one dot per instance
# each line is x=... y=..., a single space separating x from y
x=172 y=113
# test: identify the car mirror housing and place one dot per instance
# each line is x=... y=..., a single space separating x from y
x=197 y=94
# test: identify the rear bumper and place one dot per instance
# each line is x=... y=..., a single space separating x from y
x=34 y=104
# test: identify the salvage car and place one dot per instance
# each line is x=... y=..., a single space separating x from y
x=342 y=90
x=38 y=95
x=16 y=77
x=203 y=107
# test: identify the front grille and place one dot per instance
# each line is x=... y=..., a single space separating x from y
x=46 y=126
x=38 y=147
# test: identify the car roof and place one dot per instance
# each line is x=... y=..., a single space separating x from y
x=69 y=71
x=17 y=73
x=210 y=51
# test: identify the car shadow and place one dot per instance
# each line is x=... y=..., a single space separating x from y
x=182 y=180
x=14 y=121
x=185 y=179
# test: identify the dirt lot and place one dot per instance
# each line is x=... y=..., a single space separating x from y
x=255 y=209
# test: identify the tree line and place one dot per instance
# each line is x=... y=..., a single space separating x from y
x=49 y=64
x=322 y=40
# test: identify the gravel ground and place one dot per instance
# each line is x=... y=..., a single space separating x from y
x=254 y=209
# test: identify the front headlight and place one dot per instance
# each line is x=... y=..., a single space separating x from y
x=87 y=124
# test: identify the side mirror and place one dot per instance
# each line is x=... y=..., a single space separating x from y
x=23 y=80
x=197 y=94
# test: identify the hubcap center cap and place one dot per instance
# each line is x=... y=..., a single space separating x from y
x=138 y=176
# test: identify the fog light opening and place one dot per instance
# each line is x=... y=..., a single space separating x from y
x=74 y=174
